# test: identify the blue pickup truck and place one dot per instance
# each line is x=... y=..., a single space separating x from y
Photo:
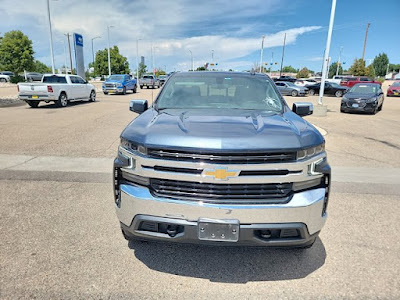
x=119 y=84
x=220 y=158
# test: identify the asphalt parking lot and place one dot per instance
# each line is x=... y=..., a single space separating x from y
x=60 y=237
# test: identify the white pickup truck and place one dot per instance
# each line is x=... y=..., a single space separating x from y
x=61 y=89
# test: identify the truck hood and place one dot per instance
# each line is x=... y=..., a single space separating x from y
x=221 y=130
x=113 y=81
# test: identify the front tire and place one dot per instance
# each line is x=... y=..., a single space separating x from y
x=339 y=94
x=124 y=91
x=62 y=100
x=311 y=92
x=92 y=97
x=3 y=80
x=134 y=89
x=294 y=93
x=105 y=93
x=33 y=104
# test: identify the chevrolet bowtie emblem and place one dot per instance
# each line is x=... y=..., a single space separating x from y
x=221 y=173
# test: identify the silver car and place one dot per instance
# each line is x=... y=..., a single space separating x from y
x=289 y=88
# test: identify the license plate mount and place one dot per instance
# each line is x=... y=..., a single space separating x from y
x=218 y=230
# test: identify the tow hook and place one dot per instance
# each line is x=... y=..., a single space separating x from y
x=172 y=230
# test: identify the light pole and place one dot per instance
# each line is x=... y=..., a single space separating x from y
x=109 y=58
x=283 y=54
x=338 y=62
x=51 y=38
x=326 y=55
x=69 y=49
x=191 y=58
x=270 y=66
x=137 y=62
x=97 y=37
x=65 y=58
x=262 y=49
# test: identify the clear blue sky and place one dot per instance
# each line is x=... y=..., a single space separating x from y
x=233 y=29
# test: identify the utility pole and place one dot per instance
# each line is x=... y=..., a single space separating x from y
x=65 y=58
x=326 y=55
x=191 y=56
x=270 y=66
x=137 y=62
x=283 y=54
x=51 y=37
x=97 y=37
x=338 y=62
x=70 y=53
x=109 y=56
x=365 y=40
x=262 y=49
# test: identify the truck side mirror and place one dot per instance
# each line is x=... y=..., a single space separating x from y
x=303 y=108
x=138 y=106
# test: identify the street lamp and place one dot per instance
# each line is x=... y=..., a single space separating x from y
x=338 y=63
x=191 y=55
x=97 y=37
x=109 y=59
x=262 y=49
x=137 y=62
x=51 y=37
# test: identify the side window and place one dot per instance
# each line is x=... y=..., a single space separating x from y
x=80 y=80
x=279 y=84
x=73 y=80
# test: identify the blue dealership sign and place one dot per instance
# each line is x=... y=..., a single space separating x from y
x=78 y=39
x=80 y=65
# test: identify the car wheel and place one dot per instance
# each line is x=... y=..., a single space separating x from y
x=105 y=93
x=294 y=93
x=92 y=97
x=311 y=92
x=342 y=110
x=375 y=110
x=124 y=91
x=62 y=100
x=380 y=107
x=338 y=94
x=33 y=104
x=141 y=86
x=3 y=80
x=134 y=89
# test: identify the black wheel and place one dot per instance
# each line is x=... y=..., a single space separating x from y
x=3 y=80
x=124 y=91
x=33 y=104
x=62 y=100
x=134 y=89
x=92 y=97
x=311 y=92
x=294 y=93
x=141 y=86
x=375 y=110
x=339 y=94
x=342 y=110
x=380 y=107
x=105 y=93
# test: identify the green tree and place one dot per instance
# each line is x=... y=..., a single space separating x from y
x=380 y=64
x=332 y=70
x=142 y=69
x=303 y=73
x=394 y=67
x=358 y=68
x=160 y=72
x=119 y=63
x=371 y=71
x=40 y=67
x=201 y=68
x=16 y=52
x=289 y=69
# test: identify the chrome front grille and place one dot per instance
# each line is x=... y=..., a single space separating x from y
x=110 y=85
x=224 y=158
x=268 y=193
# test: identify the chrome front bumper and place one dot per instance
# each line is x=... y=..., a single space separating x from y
x=305 y=207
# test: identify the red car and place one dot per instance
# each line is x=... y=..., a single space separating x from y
x=394 y=89
x=350 y=81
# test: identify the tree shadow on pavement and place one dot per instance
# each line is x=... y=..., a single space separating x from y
x=230 y=264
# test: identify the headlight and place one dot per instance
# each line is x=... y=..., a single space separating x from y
x=119 y=84
x=309 y=152
x=127 y=145
x=371 y=100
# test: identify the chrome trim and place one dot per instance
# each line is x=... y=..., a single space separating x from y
x=301 y=166
x=305 y=207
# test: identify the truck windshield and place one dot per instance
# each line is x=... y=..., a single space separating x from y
x=219 y=91
x=116 y=78
x=54 y=79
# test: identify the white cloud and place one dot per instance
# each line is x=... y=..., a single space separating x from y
x=315 y=58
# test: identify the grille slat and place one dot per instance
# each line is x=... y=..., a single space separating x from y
x=226 y=158
x=222 y=193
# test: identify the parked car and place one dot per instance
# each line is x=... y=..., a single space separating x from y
x=33 y=76
x=119 y=83
x=363 y=97
x=9 y=73
x=330 y=89
x=351 y=81
x=289 y=88
x=305 y=82
x=394 y=89
x=4 y=78
x=61 y=89
x=287 y=78
x=162 y=79
x=204 y=165
x=149 y=81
